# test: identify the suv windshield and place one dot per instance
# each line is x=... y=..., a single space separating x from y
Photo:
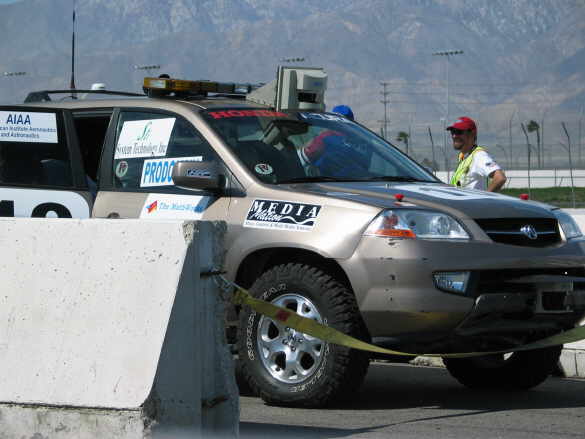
x=287 y=147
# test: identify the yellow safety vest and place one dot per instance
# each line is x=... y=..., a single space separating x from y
x=463 y=166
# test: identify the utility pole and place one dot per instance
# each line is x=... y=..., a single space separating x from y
x=385 y=101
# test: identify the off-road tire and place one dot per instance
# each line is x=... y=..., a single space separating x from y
x=340 y=370
x=521 y=371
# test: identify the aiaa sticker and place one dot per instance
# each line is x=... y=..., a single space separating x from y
x=283 y=215
x=263 y=169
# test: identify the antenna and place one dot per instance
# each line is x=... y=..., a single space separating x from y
x=72 y=85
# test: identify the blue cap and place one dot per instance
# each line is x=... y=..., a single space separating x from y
x=344 y=110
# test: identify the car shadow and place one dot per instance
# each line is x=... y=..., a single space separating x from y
x=258 y=430
x=434 y=386
x=391 y=386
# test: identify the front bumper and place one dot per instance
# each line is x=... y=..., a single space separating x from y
x=393 y=282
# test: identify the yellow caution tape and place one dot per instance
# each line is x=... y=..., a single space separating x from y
x=326 y=333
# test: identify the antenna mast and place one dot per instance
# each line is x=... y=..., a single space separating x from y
x=72 y=85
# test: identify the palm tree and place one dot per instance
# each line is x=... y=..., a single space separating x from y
x=531 y=127
x=403 y=137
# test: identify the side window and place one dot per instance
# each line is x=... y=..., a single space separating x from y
x=147 y=147
x=33 y=149
x=91 y=130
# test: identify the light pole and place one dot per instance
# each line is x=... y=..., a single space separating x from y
x=12 y=75
x=510 y=138
x=289 y=60
x=505 y=154
x=148 y=68
x=447 y=54
x=580 y=139
x=541 y=146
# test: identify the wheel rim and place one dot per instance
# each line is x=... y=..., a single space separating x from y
x=288 y=355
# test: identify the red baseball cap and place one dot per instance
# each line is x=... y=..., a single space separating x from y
x=463 y=123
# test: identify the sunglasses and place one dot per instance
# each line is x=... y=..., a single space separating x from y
x=458 y=132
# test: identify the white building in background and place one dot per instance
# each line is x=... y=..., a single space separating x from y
x=538 y=178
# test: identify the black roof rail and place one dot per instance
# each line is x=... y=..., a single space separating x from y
x=44 y=95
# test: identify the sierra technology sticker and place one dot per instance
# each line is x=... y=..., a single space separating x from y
x=144 y=138
x=174 y=206
x=18 y=126
x=158 y=172
x=283 y=215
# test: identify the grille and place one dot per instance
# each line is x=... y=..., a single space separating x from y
x=507 y=231
x=496 y=281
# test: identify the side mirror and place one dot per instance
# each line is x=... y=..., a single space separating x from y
x=198 y=175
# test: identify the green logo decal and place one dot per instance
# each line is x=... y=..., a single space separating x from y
x=145 y=133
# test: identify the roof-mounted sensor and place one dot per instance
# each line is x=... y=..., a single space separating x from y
x=295 y=88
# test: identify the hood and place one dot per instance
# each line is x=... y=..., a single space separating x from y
x=459 y=202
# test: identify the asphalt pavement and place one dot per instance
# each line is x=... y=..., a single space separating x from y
x=404 y=401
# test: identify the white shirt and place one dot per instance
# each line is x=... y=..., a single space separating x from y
x=481 y=167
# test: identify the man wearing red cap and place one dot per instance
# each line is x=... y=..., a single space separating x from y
x=476 y=168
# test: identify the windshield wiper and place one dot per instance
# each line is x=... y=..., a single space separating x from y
x=314 y=179
x=398 y=178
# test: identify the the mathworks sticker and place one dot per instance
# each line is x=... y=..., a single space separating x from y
x=284 y=215
x=151 y=207
x=174 y=206
x=158 y=172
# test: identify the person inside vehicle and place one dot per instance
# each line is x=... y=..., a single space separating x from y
x=333 y=153
x=344 y=110
x=476 y=168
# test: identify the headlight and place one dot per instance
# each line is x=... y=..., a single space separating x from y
x=422 y=224
x=568 y=224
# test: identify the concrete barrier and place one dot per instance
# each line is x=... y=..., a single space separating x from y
x=108 y=330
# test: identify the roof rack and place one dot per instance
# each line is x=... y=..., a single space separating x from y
x=44 y=95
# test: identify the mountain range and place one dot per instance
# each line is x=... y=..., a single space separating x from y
x=522 y=60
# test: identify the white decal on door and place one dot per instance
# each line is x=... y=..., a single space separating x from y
x=37 y=203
